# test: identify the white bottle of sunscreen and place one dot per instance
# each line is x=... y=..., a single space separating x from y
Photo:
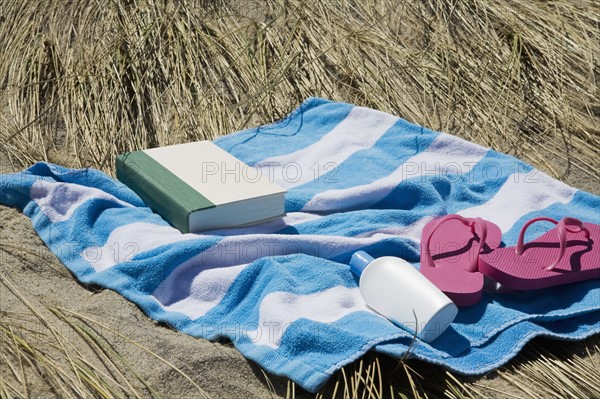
x=396 y=290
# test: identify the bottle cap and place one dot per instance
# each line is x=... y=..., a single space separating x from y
x=359 y=261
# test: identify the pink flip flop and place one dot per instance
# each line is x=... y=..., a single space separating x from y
x=568 y=253
x=450 y=248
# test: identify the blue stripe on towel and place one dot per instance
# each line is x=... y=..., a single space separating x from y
x=281 y=291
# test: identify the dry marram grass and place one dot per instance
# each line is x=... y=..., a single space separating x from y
x=83 y=81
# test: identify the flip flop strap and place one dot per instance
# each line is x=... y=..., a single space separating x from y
x=482 y=224
x=473 y=264
x=562 y=228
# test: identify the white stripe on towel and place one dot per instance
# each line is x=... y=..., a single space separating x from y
x=359 y=130
x=206 y=291
x=59 y=201
x=130 y=240
x=521 y=194
x=273 y=322
x=236 y=250
x=412 y=231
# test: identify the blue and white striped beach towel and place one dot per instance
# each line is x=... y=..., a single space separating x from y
x=282 y=291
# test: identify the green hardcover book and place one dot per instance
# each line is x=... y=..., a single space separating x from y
x=199 y=186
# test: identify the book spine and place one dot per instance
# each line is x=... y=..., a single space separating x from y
x=158 y=197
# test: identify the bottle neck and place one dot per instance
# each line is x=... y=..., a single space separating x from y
x=359 y=261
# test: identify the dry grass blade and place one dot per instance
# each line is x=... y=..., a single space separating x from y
x=268 y=381
x=30 y=353
x=291 y=390
x=458 y=389
x=57 y=376
x=174 y=72
x=84 y=318
x=106 y=352
x=415 y=387
x=548 y=375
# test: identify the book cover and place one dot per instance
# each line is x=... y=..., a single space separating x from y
x=199 y=186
